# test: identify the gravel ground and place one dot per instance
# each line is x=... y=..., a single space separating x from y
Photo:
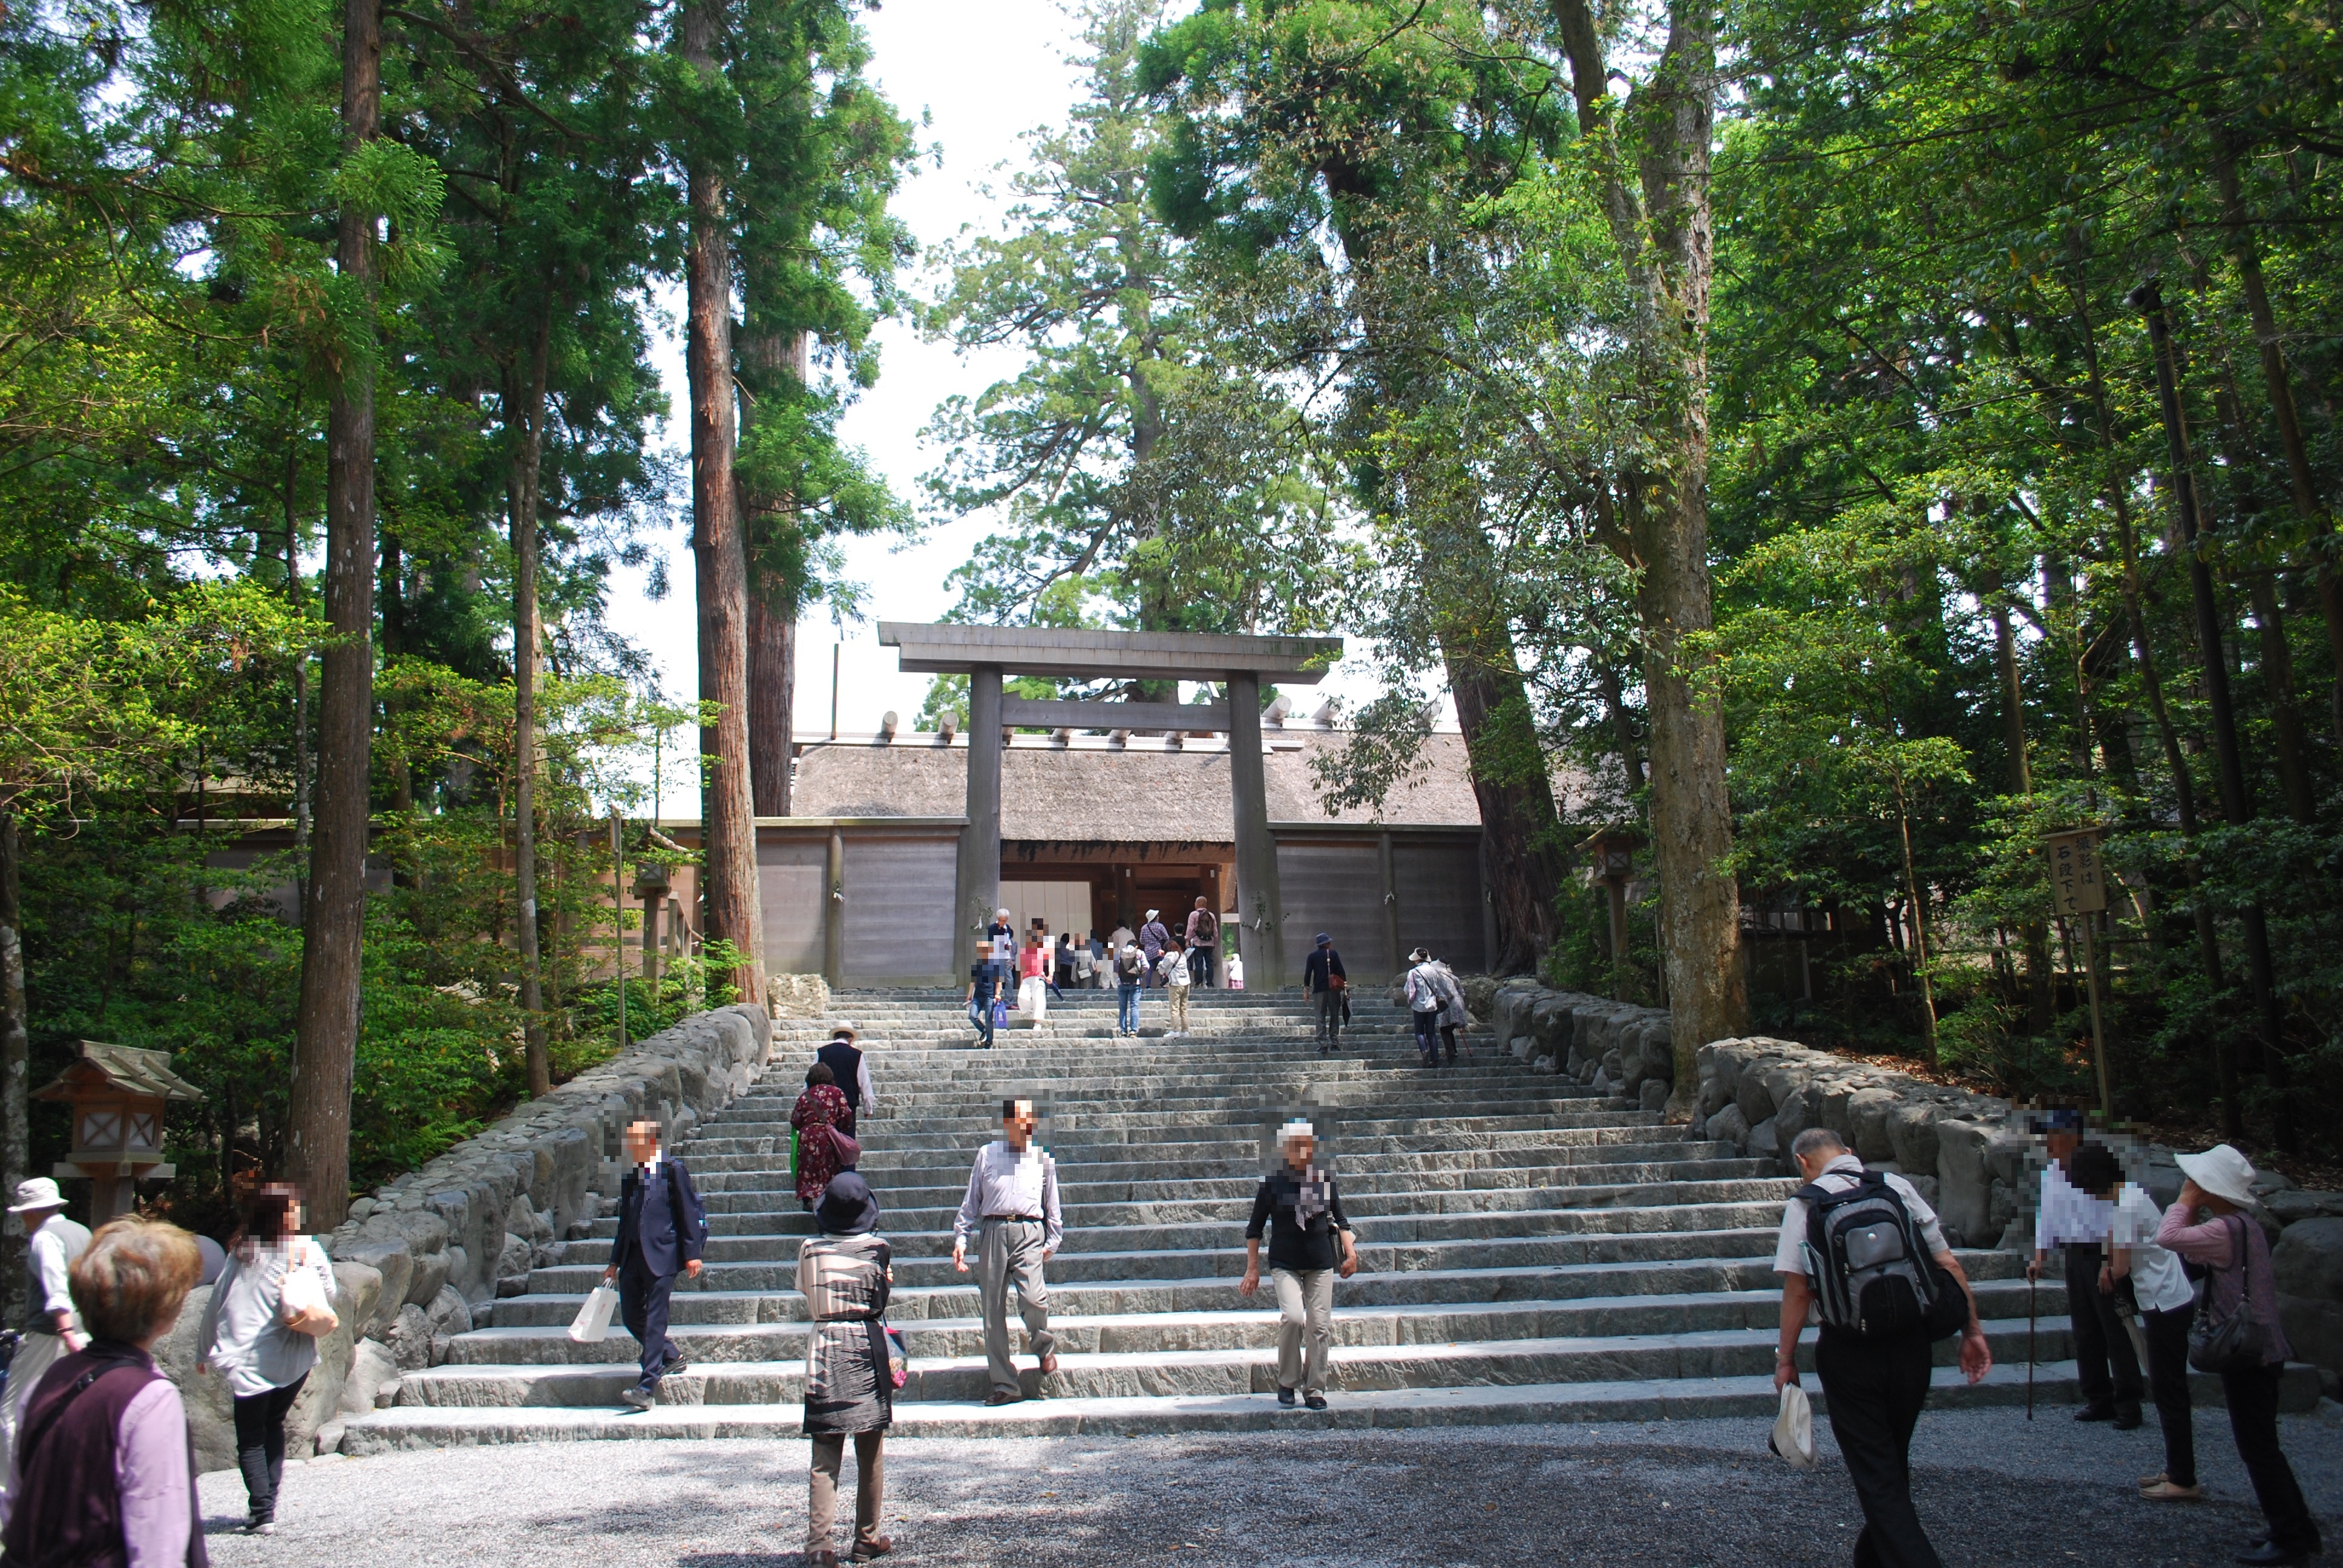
x=1991 y=1488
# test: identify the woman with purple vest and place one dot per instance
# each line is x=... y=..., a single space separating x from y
x=104 y=1469
x=2208 y=1225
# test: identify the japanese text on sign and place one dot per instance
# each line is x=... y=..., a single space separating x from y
x=2077 y=883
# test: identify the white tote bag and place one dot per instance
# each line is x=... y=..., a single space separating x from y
x=592 y=1324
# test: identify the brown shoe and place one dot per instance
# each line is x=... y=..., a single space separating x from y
x=2156 y=1480
x=1049 y=1364
x=2166 y=1492
x=1002 y=1396
x=877 y=1546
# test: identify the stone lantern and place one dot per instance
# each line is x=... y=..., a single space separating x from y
x=1611 y=860
x=117 y=1093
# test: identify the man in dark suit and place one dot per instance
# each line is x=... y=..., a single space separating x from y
x=662 y=1229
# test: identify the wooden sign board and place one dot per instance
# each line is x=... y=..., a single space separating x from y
x=2078 y=883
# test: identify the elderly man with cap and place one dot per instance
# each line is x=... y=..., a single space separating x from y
x=2209 y=1225
x=1323 y=980
x=52 y=1244
x=850 y=1069
x=1154 y=937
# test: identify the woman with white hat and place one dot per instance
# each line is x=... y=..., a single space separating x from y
x=52 y=1242
x=2230 y=1245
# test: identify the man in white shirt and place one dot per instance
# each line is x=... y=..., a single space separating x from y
x=2079 y=1223
x=53 y=1329
x=2159 y=1287
x=1012 y=1208
x=1875 y=1387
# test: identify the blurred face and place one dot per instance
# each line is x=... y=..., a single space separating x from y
x=1016 y=1129
x=643 y=1143
x=1299 y=1147
x=2062 y=1145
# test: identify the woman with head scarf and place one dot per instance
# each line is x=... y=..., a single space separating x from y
x=844 y=1274
x=820 y=1110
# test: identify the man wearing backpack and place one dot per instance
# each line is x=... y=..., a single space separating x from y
x=1855 y=1254
x=1203 y=935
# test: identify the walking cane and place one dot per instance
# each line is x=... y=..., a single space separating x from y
x=2030 y=1349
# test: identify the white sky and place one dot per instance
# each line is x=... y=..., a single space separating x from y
x=984 y=74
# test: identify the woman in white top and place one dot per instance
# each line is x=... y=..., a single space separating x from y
x=2167 y=1302
x=256 y=1334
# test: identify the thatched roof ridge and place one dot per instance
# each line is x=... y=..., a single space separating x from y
x=1140 y=794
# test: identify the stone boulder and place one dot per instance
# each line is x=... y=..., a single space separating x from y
x=2309 y=1262
x=1729 y=1125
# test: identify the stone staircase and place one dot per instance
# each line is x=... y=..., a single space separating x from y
x=1529 y=1251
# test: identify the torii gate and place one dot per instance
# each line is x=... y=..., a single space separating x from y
x=988 y=653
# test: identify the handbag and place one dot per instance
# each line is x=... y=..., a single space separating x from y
x=2233 y=1344
x=301 y=1299
x=847 y=1149
x=591 y=1326
x=899 y=1358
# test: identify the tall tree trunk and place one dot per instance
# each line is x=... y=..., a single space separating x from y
x=1623 y=727
x=2278 y=659
x=2184 y=788
x=525 y=397
x=1519 y=874
x=15 y=1069
x=301 y=793
x=325 y=1045
x=1663 y=228
x=2279 y=383
x=728 y=817
x=2236 y=801
x=2040 y=1003
x=774 y=366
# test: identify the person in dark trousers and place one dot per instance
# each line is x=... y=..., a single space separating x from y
x=1301 y=1209
x=983 y=983
x=2207 y=1224
x=1873 y=1388
x=1323 y=980
x=2167 y=1302
x=2071 y=1219
x=662 y=1231
x=246 y=1338
x=1203 y=936
x=850 y=1069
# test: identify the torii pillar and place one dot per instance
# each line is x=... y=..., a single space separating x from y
x=979 y=890
x=1261 y=937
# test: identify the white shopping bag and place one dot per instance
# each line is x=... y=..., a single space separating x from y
x=592 y=1324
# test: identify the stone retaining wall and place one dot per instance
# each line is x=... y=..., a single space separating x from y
x=426 y=1256
x=1966 y=1152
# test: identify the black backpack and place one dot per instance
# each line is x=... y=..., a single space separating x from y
x=1871 y=1275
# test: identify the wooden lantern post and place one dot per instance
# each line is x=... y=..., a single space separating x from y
x=117 y=1093
x=2079 y=886
x=1611 y=860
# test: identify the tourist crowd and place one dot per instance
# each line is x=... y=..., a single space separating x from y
x=98 y=1465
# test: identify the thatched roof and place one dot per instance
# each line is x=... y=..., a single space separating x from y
x=1143 y=792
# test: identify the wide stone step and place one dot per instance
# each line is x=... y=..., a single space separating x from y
x=1625 y=1400
x=1562 y=1144
x=1234 y=1206
x=1157 y=1373
x=1231 y=1328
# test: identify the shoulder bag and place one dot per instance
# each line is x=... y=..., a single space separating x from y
x=302 y=1300
x=2233 y=1344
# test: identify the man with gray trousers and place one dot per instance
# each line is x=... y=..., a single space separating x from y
x=1011 y=1208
